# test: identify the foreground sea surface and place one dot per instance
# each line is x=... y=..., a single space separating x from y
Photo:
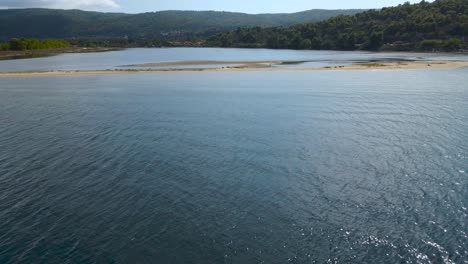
x=331 y=166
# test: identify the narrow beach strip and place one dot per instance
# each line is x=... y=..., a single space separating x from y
x=251 y=66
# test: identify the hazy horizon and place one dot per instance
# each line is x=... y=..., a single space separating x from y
x=243 y=6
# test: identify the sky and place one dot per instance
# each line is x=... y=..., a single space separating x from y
x=246 y=6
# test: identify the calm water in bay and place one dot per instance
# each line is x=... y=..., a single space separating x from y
x=117 y=59
x=235 y=167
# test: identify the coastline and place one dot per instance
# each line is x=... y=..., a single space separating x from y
x=11 y=54
x=250 y=66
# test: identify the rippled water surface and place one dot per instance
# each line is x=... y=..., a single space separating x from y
x=235 y=167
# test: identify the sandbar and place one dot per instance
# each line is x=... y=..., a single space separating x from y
x=271 y=65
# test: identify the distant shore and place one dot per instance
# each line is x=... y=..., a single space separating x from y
x=12 y=54
x=251 y=66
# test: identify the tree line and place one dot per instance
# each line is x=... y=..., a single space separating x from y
x=438 y=26
x=33 y=44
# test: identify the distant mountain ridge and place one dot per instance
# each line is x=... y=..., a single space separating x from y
x=54 y=23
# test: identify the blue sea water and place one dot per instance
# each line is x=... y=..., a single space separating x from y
x=235 y=167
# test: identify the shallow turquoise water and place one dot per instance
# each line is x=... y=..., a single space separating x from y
x=235 y=167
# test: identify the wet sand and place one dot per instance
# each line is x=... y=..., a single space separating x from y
x=239 y=64
x=273 y=65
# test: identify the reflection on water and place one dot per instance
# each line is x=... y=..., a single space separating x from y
x=25 y=56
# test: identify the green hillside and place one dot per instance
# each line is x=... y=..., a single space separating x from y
x=50 y=23
x=440 y=25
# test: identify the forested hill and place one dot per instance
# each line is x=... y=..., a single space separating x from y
x=441 y=25
x=50 y=23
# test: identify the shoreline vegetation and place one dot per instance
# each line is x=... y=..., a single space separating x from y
x=251 y=66
x=20 y=48
x=33 y=53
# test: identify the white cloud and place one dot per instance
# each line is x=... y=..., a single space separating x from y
x=62 y=4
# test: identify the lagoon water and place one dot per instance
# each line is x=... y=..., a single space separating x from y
x=235 y=167
x=117 y=59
